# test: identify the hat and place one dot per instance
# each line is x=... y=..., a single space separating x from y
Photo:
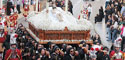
x=82 y=42
x=96 y=48
x=55 y=48
x=13 y=38
x=117 y=45
x=117 y=42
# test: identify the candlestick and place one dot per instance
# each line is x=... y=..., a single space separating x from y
x=47 y=5
x=1 y=3
x=66 y=5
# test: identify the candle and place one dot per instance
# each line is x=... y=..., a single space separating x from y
x=66 y=5
x=47 y=4
x=36 y=5
x=1 y=3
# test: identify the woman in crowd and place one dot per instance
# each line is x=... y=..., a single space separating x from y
x=114 y=27
x=89 y=10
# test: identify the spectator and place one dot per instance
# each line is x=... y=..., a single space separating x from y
x=18 y=6
x=107 y=13
x=101 y=13
x=123 y=37
x=114 y=28
x=96 y=39
x=9 y=6
x=109 y=23
x=89 y=10
x=72 y=55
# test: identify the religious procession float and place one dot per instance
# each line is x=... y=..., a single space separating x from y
x=58 y=26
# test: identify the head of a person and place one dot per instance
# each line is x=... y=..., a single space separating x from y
x=101 y=7
x=71 y=51
x=43 y=51
x=89 y=5
x=117 y=48
x=56 y=49
x=105 y=50
x=97 y=35
x=13 y=46
x=121 y=19
x=112 y=5
x=108 y=7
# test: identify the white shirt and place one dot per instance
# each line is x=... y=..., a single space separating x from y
x=18 y=2
x=115 y=25
x=89 y=9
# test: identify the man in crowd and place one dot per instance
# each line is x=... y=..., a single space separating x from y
x=13 y=53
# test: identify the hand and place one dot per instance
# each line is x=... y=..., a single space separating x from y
x=76 y=53
x=61 y=52
x=96 y=40
x=47 y=53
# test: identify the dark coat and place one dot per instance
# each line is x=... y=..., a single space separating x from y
x=68 y=57
x=55 y=56
x=42 y=58
x=81 y=53
x=9 y=5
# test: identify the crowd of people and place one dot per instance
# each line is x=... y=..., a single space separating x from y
x=20 y=45
x=115 y=21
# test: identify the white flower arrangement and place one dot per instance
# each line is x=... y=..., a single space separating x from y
x=50 y=21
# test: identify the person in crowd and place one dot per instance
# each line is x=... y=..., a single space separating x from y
x=43 y=55
x=82 y=50
x=57 y=54
x=26 y=10
x=72 y=55
x=109 y=23
x=70 y=7
x=107 y=13
x=116 y=54
x=123 y=36
x=13 y=53
x=26 y=55
x=105 y=54
x=107 y=2
x=58 y=3
x=18 y=6
x=96 y=39
x=97 y=18
x=114 y=27
x=89 y=10
x=101 y=13
x=9 y=6
x=112 y=8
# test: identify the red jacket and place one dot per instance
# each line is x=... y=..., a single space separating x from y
x=112 y=54
x=8 y=55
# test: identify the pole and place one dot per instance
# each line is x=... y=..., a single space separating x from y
x=66 y=5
